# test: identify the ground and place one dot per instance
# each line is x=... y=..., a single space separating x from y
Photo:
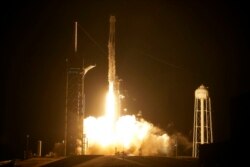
x=107 y=161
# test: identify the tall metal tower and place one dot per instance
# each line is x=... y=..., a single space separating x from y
x=74 y=104
x=75 y=139
x=202 y=131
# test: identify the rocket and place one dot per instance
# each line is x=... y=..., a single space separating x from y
x=111 y=52
x=112 y=78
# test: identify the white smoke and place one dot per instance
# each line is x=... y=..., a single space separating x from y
x=131 y=135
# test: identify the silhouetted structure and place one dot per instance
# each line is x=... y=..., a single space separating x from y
x=202 y=132
x=73 y=112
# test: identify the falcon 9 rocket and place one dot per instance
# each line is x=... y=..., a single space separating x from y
x=112 y=78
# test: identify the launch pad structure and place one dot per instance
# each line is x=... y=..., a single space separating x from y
x=75 y=139
x=74 y=103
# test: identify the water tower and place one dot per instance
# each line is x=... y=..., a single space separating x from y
x=202 y=132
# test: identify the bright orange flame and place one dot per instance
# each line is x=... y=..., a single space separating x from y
x=110 y=103
x=108 y=134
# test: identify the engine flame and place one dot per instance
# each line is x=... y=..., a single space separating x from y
x=110 y=103
x=126 y=134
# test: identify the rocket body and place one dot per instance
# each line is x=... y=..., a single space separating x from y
x=112 y=78
x=111 y=49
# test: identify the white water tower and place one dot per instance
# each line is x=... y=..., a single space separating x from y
x=202 y=132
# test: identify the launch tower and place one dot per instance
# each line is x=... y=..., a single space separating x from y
x=75 y=139
x=74 y=104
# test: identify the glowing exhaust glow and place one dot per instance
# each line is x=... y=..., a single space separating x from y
x=108 y=134
x=111 y=134
x=110 y=103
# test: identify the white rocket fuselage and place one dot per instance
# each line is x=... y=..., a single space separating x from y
x=112 y=78
x=111 y=48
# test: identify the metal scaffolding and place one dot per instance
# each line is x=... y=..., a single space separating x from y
x=73 y=111
x=75 y=139
x=202 y=130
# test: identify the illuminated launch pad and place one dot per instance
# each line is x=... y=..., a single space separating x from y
x=113 y=133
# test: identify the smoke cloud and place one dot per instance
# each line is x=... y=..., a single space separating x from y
x=130 y=135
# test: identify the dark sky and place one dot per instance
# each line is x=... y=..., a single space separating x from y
x=164 y=51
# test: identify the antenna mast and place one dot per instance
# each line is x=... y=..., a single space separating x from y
x=75 y=37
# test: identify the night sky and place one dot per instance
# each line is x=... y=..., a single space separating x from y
x=164 y=51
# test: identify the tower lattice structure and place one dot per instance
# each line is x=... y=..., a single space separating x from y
x=74 y=104
x=202 y=130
